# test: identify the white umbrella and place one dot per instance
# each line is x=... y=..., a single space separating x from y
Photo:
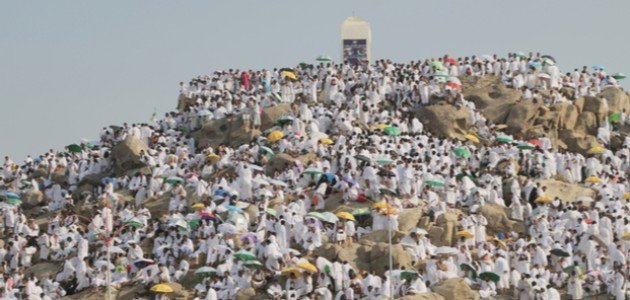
x=446 y=250
x=227 y=228
x=544 y=75
x=277 y=182
x=116 y=249
x=204 y=113
x=101 y=263
x=417 y=230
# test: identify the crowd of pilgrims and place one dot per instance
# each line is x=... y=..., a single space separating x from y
x=228 y=226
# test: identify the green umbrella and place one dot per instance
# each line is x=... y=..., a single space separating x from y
x=206 y=271
x=619 y=76
x=361 y=211
x=526 y=146
x=614 y=118
x=437 y=64
x=504 y=139
x=90 y=145
x=271 y=211
x=407 y=275
x=461 y=175
x=392 y=130
x=329 y=217
x=323 y=58
x=304 y=65
x=435 y=183
x=134 y=224
x=386 y=191
x=174 y=180
x=490 y=276
x=285 y=120
x=384 y=161
x=183 y=128
x=254 y=264
x=194 y=223
x=266 y=151
x=14 y=201
x=286 y=70
x=316 y=215
x=312 y=171
x=244 y=255
x=462 y=152
x=467 y=267
x=75 y=148
x=520 y=55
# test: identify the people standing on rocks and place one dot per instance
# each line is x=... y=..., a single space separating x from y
x=335 y=159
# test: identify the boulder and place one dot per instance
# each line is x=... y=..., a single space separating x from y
x=455 y=288
x=567 y=192
x=381 y=236
x=498 y=220
x=271 y=115
x=126 y=155
x=424 y=296
x=356 y=254
x=576 y=141
x=448 y=223
x=409 y=218
x=445 y=120
x=230 y=131
x=44 y=269
x=283 y=161
x=491 y=97
x=586 y=124
x=379 y=258
x=618 y=99
x=595 y=105
x=246 y=294
x=32 y=199
x=567 y=115
x=58 y=177
x=522 y=116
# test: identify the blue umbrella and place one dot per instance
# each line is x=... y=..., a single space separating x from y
x=141 y=263
x=599 y=67
x=534 y=64
x=11 y=195
x=234 y=208
x=107 y=180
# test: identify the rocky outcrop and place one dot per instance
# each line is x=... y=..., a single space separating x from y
x=445 y=120
x=455 y=288
x=498 y=220
x=126 y=155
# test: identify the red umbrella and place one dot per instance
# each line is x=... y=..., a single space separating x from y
x=536 y=142
x=453 y=85
x=451 y=60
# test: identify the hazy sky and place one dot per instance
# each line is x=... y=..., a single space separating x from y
x=68 y=68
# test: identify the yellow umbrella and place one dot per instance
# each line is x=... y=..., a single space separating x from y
x=382 y=126
x=289 y=75
x=308 y=266
x=465 y=233
x=388 y=211
x=326 y=141
x=381 y=204
x=213 y=157
x=161 y=288
x=345 y=215
x=500 y=243
x=596 y=150
x=275 y=135
x=626 y=236
x=593 y=179
x=472 y=138
x=626 y=196
x=198 y=205
x=291 y=270
x=544 y=199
